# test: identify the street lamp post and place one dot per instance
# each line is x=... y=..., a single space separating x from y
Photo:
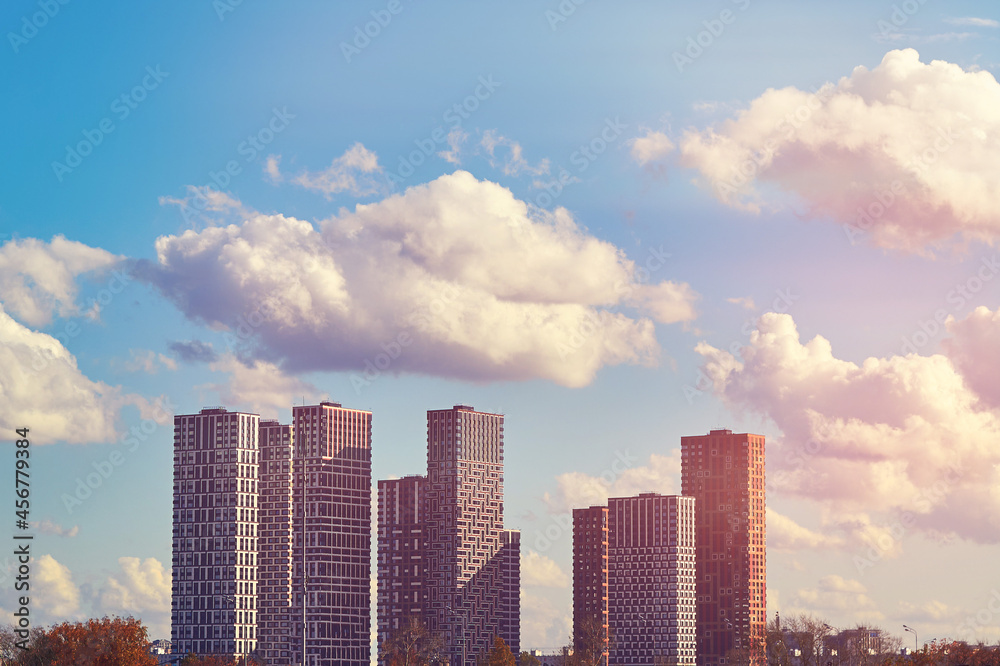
x=912 y=631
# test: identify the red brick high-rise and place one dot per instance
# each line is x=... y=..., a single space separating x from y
x=724 y=472
x=590 y=572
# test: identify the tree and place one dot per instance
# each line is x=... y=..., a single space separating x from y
x=500 y=655
x=413 y=645
x=528 y=659
x=591 y=643
x=109 y=641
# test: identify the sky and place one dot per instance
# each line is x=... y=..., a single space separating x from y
x=615 y=223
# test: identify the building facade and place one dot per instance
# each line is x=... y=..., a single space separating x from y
x=724 y=472
x=332 y=545
x=402 y=548
x=215 y=518
x=276 y=584
x=468 y=586
x=272 y=535
x=590 y=575
x=633 y=566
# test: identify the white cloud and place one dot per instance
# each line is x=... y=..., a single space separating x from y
x=886 y=447
x=745 y=303
x=141 y=588
x=651 y=147
x=975 y=351
x=543 y=624
x=356 y=172
x=974 y=21
x=785 y=534
x=261 y=386
x=576 y=490
x=38 y=279
x=144 y=360
x=49 y=527
x=55 y=593
x=834 y=594
x=456 y=137
x=41 y=383
x=908 y=153
x=540 y=571
x=479 y=285
x=514 y=164
x=272 y=167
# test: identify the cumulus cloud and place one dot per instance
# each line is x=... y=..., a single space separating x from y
x=541 y=571
x=783 y=533
x=141 y=588
x=886 y=446
x=194 y=351
x=974 y=21
x=464 y=279
x=41 y=383
x=356 y=171
x=651 y=147
x=543 y=623
x=456 y=137
x=49 y=527
x=836 y=595
x=907 y=153
x=975 y=351
x=259 y=385
x=145 y=360
x=576 y=489
x=38 y=279
x=744 y=302
x=514 y=164
x=56 y=594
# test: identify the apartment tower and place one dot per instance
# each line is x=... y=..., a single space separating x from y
x=402 y=544
x=215 y=517
x=724 y=472
x=590 y=576
x=634 y=560
x=331 y=548
x=444 y=554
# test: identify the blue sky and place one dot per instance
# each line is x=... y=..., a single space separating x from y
x=587 y=141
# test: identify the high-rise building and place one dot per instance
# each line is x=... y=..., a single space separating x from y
x=214 y=588
x=262 y=513
x=402 y=547
x=332 y=544
x=590 y=575
x=634 y=580
x=724 y=472
x=468 y=564
x=275 y=560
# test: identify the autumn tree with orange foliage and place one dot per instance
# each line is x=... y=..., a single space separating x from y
x=109 y=641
